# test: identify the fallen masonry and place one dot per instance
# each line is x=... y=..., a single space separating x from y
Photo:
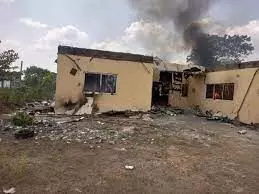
x=99 y=128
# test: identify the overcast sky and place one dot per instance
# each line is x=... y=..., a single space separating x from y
x=35 y=28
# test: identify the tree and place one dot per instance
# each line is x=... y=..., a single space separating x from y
x=34 y=75
x=211 y=50
x=48 y=84
x=7 y=58
x=39 y=83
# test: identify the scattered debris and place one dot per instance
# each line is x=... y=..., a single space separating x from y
x=68 y=120
x=8 y=127
x=52 y=104
x=198 y=112
x=127 y=113
x=121 y=149
x=210 y=116
x=167 y=110
x=129 y=167
x=45 y=103
x=70 y=112
x=100 y=123
x=242 y=132
x=86 y=108
x=147 y=117
x=135 y=117
x=9 y=191
x=217 y=117
x=24 y=133
x=39 y=107
x=129 y=130
x=78 y=190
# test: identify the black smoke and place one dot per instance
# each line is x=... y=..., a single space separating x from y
x=184 y=14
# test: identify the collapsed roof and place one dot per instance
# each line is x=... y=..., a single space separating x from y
x=118 y=56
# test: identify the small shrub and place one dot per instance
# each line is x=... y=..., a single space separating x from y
x=22 y=119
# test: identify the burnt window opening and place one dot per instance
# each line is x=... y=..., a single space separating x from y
x=178 y=76
x=185 y=90
x=228 y=92
x=73 y=71
x=109 y=84
x=92 y=82
x=209 y=91
x=100 y=83
x=220 y=91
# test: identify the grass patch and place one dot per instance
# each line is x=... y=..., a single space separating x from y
x=13 y=168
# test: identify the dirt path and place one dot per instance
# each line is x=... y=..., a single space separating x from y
x=182 y=154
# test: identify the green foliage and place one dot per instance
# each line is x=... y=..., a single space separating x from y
x=40 y=84
x=7 y=58
x=22 y=119
x=213 y=50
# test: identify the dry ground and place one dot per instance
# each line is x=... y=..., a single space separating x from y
x=182 y=154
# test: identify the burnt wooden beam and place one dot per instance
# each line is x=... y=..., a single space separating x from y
x=249 y=64
x=118 y=56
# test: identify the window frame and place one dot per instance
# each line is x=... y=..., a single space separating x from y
x=100 y=83
x=218 y=90
x=232 y=85
x=223 y=85
x=85 y=83
x=206 y=94
x=115 y=87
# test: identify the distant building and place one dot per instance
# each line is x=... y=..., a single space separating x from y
x=10 y=80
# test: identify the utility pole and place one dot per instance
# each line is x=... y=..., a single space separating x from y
x=21 y=70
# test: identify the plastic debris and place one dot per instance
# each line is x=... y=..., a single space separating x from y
x=129 y=167
x=9 y=191
x=242 y=132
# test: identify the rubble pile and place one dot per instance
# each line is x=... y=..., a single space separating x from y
x=162 y=110
x=111 y=127
x=70 y=132
x=69 y=129
x=44 y=107
x=210 y=116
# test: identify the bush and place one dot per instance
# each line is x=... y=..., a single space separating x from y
x=22 y=119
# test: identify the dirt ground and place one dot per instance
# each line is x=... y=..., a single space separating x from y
x=171 y=154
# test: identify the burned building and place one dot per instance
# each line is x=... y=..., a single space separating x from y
x=169 y=80
x=103 y=80
x=231 y=90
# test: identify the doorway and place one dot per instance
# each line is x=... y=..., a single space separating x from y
x=161 y=89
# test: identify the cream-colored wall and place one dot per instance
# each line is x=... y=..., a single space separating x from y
x=241 y=78
x=195 y=87
x=133 y=89
x=249 y=112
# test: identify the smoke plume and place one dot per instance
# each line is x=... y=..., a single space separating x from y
x=184 y=14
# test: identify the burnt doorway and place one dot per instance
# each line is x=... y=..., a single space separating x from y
x=161 y=89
